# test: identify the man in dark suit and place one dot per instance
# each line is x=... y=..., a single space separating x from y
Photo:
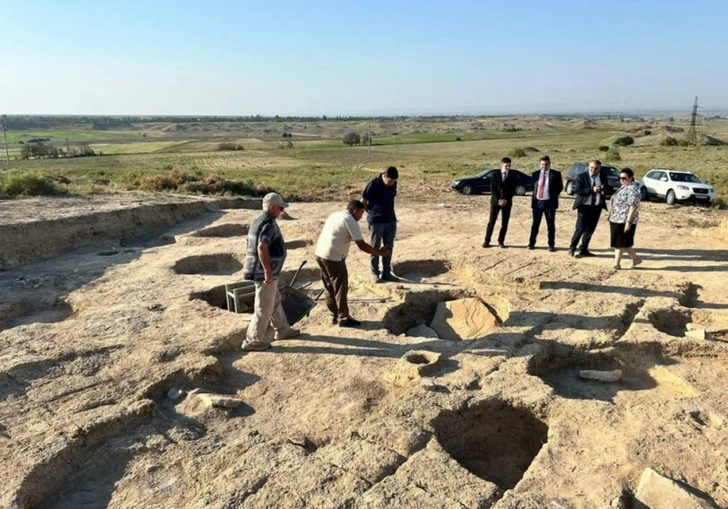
x=589 y=201
x=502 y=190
x=547 y=185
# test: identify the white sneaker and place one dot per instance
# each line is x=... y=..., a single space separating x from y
x=288 y=333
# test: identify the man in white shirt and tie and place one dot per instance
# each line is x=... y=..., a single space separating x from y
x=589 y=201
x=547 y=185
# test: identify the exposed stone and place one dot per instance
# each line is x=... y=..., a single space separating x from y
x=696 y=333
x=210 y=400
x=602 y=376
x=463 y=319
x=658 y=492
x=411 y=367
x=422 y=331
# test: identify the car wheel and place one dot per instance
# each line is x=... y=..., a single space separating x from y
x=521 y=190
x=467 y=189
x=643 y=193
x=670 y=198
x=570 y=188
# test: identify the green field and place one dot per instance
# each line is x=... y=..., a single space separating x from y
x=428 y=152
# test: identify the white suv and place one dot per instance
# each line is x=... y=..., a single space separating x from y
x=675 y=186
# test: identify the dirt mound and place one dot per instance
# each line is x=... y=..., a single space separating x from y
x=223 y=230
x=711 y=141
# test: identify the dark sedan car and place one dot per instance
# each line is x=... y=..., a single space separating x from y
x=576 y=169
x=480 y=183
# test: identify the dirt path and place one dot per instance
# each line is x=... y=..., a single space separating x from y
x=92 y=342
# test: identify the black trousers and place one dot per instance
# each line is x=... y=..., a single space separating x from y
x=543 y=208
x=336 y=282
x=587 y=219
x=494 y=211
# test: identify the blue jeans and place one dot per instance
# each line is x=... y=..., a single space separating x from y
x=382 y=235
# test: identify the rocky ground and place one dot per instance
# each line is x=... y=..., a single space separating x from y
x=122 y=382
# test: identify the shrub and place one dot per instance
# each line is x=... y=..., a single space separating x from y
x=669 y=141
x=603 y=148
x=683 y=143
x=230 y=146
x=613 y=155
x=517 y=152
x=29 y=184
x=352 y=139
x=194 y=183
x=624 y=141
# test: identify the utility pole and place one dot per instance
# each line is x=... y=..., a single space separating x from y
x=693 y=132
x=5 y=135
x=369 y=154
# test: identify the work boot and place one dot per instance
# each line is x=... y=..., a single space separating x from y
x=288 y=333
x=349 y=322
x=258 y=346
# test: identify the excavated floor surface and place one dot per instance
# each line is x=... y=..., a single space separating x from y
x=96 y=345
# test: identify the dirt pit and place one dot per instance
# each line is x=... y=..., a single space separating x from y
x=209 y=265
x=418 y=308
x=419 y=270
x=671 y=321
x=493 y=440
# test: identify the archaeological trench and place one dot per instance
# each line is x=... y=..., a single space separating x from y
x=122 y=381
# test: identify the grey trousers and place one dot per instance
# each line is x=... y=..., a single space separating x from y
x=382 y=235
x=268 y=309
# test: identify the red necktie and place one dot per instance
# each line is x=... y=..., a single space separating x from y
x=541 y=185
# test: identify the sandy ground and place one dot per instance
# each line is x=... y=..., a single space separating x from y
x=92 y=342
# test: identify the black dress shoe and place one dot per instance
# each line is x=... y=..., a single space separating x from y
x=349 y=322
x=572 y=253
x=586 y=253
x=485 y=244
x=334 y=320
x=390 y=278
x=501 y=245
x=531 y=247
x=552 y=249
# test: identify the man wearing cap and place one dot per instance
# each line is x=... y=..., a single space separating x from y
x=264 y=260
x=340 y=230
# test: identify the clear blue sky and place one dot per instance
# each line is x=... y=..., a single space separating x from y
x=363 y=57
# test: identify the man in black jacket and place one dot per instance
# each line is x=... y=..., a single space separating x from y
x=502 y=190
x=547 y=185
x=589 y=201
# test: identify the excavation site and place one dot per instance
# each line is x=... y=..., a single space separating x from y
x=482 y=378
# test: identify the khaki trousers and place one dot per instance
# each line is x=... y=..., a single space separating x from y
x=268 y=309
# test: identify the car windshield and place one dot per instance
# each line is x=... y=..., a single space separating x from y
x=684 y=177
x=612 y=172
x=484 y=173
